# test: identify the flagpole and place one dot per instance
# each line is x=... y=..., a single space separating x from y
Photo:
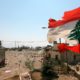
x=60 y=53
x=60 y=40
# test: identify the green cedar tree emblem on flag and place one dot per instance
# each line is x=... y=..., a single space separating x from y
x=75 y=33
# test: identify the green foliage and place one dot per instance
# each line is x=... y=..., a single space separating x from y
x=75 y=33
x=47 y=69
x=29 y=64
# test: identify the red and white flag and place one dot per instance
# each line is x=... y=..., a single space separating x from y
x=63 y=47
x=62 y=28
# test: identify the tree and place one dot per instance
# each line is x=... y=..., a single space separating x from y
x=75 y=33
x=47 y=69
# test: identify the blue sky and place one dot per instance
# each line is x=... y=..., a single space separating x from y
x=23 y=19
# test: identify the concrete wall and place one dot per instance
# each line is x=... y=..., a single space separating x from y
x=70 y=57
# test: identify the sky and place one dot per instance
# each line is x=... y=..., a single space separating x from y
x=22 y=20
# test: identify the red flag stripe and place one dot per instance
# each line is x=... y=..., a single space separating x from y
x=63 y=47
x=68 y=16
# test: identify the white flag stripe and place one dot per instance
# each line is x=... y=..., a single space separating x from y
x=61 y=31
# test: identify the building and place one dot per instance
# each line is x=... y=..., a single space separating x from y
x=68 y=56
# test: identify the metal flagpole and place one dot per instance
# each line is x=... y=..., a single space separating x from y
x=60 y=40
x=60 y=53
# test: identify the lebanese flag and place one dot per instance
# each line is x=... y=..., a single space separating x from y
x=61 y=47
x=62 y=28
x=68 y=16
x=75 y=48
x=62 y=31
x=64 y=47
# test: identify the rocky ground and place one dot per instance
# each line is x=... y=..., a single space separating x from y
x=67 y=77
x=37 y=76
x=15 y=64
